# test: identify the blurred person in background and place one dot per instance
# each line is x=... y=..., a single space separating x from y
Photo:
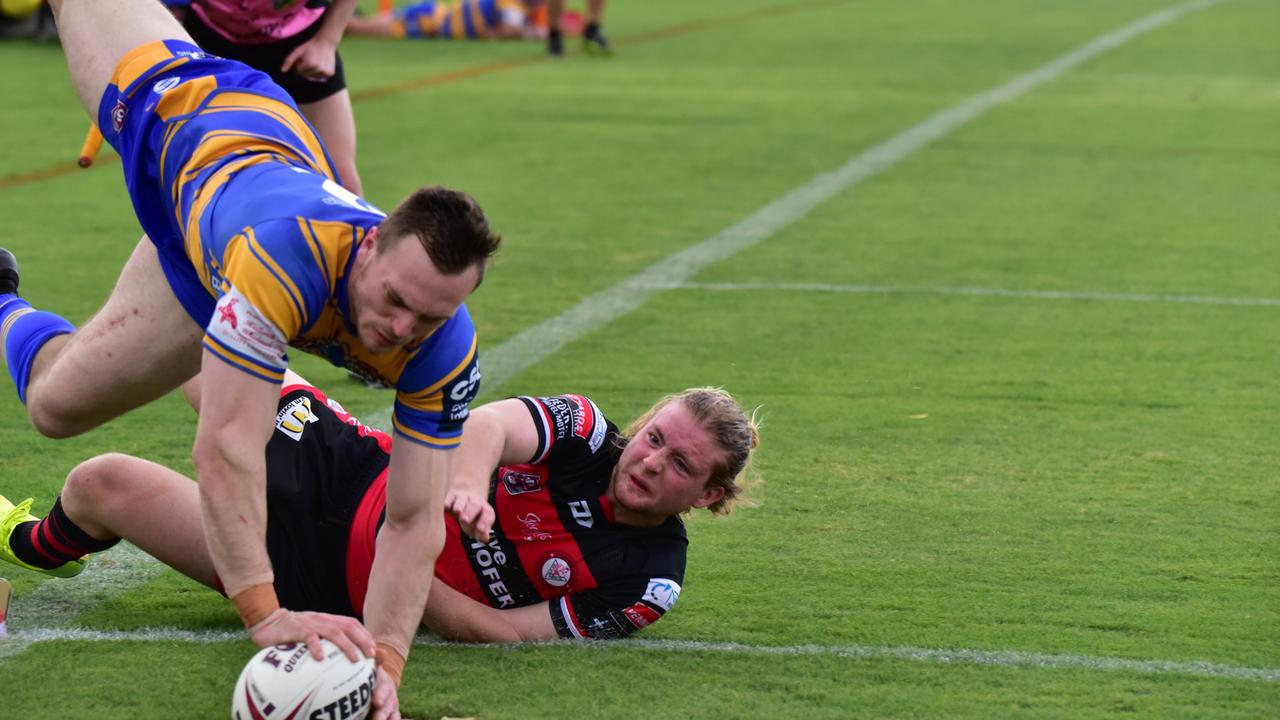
x=458 y=20
x=593 y=41
x=27 y=19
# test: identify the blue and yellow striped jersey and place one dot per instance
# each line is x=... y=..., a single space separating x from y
x=255 y=236
x=466 y=19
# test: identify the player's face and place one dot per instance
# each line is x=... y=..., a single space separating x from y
x=397 y=295
x=664 y=469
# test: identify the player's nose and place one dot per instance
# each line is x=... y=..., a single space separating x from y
x=402 y=325
x=653 y=461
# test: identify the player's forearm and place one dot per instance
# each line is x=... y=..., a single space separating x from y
x=233 y=508
x=236 y=420
x=454 y=616
x=335 y=20
x=400 y=580
x=483 y=440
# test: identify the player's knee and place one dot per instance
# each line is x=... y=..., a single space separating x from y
x=95 y=482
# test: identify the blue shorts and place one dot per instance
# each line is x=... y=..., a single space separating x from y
x=183 y=122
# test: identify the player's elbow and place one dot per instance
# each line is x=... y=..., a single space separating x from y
x=215 y=457
x=421 y=530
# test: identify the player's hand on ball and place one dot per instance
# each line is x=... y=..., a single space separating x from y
x=284 y=626
x=386 y=703
x=473 y=511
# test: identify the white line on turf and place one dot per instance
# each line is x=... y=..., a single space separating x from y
x=523 y=350
x=540 y=341
x=978 y=292
x=961 y=656
x=55 y=603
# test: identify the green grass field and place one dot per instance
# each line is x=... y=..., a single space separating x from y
x=1019 y=450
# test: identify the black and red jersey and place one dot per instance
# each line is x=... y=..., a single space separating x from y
x=554 y=537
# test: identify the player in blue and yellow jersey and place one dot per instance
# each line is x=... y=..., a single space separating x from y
x=450 y=20
x=251 y=248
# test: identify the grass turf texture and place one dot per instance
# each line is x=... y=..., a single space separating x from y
x=1047 y=476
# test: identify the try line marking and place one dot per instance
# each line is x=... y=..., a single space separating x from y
x=995 y=658
x=977 y=292
x=57 y=603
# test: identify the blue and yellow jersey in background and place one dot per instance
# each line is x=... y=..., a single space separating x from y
x=256 y=238
x=466 y=19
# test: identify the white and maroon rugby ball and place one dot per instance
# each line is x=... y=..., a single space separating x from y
x=284 y=682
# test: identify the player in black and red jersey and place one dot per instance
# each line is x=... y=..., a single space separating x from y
x=576 y=533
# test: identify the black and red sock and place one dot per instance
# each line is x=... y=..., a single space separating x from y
x=54 y=541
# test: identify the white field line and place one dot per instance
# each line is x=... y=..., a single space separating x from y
x=978 y=292
x=55 y=603
x=996 y=658
x=539 y=342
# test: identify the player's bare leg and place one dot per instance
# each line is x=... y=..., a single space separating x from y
x=96 y=34
x=151 y=506
x=139 y=346
x=593 y=40
x=336 y=124
x=555 y=35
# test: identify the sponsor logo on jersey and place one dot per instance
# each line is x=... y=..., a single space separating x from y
x=117 y=115
x=463 y=392
x=240 y=325
x=533 y=524
x=606 y=629
x=641 y=615
x=556 y=571
x=294 y=417
x=488 y=558
x=588 y=422
x=662 y=592
x=582 y=513
x=519 y=483
x=166 y=85
x=227 y=313
x=561 y=416
x=348 y=198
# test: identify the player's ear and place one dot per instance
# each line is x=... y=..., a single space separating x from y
x=370 y=241
x=711 y=495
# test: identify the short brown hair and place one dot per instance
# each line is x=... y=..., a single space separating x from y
x=450 y=225
x=736 y=434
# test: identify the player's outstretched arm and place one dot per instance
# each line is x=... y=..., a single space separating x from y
x=237 y=411
x=454 y=616
x=499 y=433
x=408 y=544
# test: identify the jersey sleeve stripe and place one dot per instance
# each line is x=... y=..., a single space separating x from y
x=422 y=438
x=543 y=421
x=243 y=362
x=419 y=397
x=571 y=620
x=280 y=275
x=317 y=252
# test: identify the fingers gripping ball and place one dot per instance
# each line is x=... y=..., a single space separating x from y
x=284 y=681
